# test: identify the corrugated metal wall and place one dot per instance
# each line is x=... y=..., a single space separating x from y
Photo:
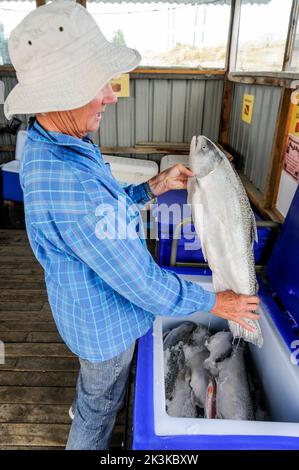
x=163 y=110
x=6 y=139
x=252 y=143
x=158 y=110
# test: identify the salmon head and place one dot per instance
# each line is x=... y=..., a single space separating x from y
x=204 y=156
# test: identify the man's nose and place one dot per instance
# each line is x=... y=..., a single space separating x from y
x=110 y=97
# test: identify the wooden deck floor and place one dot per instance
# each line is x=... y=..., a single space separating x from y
x=37 y=381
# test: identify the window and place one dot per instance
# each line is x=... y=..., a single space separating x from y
x=11 y=14
x=262 y=35
x=168 y=34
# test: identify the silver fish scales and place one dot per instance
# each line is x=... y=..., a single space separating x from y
x=225 y=224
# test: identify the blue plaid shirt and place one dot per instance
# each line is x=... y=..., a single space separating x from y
x=103 y=285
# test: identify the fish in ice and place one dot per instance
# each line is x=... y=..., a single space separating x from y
x=180 y=333
x=220 y=346
x=182 y=404
x=225 y=224
x=196 y=374
x=179 y=395
x=233 y=399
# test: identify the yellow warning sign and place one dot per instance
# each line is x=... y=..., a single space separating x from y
x=247 y=108
x=294 y=124
x=121 y=85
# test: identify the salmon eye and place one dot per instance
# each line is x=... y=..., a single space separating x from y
x=204 y=147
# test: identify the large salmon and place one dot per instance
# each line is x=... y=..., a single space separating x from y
x=225 y=224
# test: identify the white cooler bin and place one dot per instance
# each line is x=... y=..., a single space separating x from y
x=169 y=160
x=279 y=378
x=131 y=170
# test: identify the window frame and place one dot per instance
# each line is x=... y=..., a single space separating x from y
x=231 y=54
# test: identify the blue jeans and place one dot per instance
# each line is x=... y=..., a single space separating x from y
x=100 y=393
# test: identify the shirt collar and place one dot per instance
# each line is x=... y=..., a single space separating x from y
x=63 y=139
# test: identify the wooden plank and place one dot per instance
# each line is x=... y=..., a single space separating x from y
x=166 y=71
x=38 y=350
x=40 y=395
x=13 y=282
x=7 y=259
x=29 y=337
x=17 y=264
x=22 y=316
x=21 y=306
x=271 y=79
x=40 y=364
x=176 y=71
x=47 y=414
x=34 y=272
x=38 y=379
x=44 y=435
x=257 y=199
x=277 y=154
x=162 y=145
x=82 y=2
x=7 y=326
x=59 y=414
x=22 y=295
x=39 y=3
x=141 y=150
x=34 y=434
x=18 y=245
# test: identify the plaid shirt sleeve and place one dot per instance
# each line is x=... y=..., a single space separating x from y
x=139 y=193
x=122 y=260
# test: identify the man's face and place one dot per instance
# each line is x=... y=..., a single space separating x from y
x=97 y=107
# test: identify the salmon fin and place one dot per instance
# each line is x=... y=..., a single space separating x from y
x=254 y=235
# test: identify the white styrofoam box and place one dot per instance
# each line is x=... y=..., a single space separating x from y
x=287 y=189
x=279 y=378
x=12 y=167
x=21 y=140
x=131 y=170
x=169 y=160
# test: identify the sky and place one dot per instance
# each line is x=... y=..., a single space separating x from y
x=159 y=26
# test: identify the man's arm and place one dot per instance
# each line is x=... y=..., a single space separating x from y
x=122 y=260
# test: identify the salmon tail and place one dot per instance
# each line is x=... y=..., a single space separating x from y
x=239 y=331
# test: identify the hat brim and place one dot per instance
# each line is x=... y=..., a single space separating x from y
x=73 y=88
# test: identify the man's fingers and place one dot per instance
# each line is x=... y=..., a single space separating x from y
x=246 y=326
x=184 y=170
x=252 y=299
x=253 y=316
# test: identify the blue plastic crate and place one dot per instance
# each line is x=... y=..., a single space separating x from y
x=145 y=434
x=11 y=187
x=186 y=252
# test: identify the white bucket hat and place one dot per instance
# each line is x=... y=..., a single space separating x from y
x=62 y=60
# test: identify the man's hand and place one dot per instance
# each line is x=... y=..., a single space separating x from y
x=175 y=177
x=237 y=308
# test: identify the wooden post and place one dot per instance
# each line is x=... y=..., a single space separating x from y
x=40 y=3
x=277 y=155
x=226 y=112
